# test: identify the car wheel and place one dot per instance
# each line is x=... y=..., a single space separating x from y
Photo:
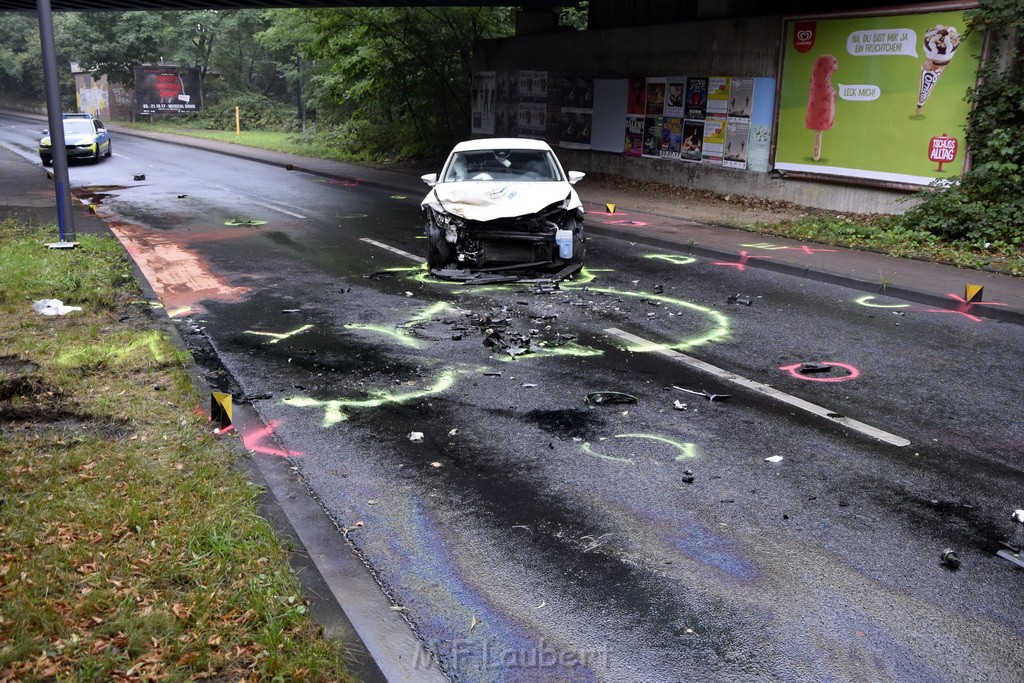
x=46 y=162
x=439 y=252
x=110 y=150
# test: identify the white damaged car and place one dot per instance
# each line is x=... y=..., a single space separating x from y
x=503 y=207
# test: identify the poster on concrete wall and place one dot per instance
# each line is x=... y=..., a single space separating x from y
x=505 y=113
x=876 y=97
x=533 y=118
x=485 y=100
x=696 y=98
x=533 y=86
x=636 y=104
x=576 y=97
x=692 y=146
x=675 y=97
x=741 y=98
x=714 y=140
x=718 y=96
x=762 y=117
x=167 y=89
x=652 y=137
x=634 y=144
x=654 y=104
x=737 y=130
x=671 y=137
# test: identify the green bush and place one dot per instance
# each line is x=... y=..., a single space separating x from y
x=256 y=112
x=984 y=209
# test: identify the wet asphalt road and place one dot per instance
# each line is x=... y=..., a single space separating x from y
x=530 y=536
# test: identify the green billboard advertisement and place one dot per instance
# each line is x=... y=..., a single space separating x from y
x=878 y=98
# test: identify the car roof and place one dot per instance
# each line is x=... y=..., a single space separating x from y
x=500 y=143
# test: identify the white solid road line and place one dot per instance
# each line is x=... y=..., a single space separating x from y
x=764 y=389
x=393 y=250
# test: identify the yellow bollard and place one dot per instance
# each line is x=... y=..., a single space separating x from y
x=238 y=121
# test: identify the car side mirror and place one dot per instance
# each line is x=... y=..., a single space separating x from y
x=430 y=179
x=45 y=131
x=575 y=176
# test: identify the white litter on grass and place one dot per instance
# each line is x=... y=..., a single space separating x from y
x=774 y=458
x=1018 y=516
x=416 y=437
x=53 y=307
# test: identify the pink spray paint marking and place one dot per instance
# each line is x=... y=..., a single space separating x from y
x=795 y=371
x=346 y=182
x=741 y=265
x=252 y=441
x=965 y=306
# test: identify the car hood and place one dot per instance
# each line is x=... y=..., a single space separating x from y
x=71 y=140
x=487 y=201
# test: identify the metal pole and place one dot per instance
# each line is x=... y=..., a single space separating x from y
x=65 y=219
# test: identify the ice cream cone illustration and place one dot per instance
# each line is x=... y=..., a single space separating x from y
x=940 y=44
x=821 y=100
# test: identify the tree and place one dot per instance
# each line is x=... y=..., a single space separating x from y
x=397 y=79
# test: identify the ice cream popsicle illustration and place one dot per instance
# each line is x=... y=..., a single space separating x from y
x=940 y=44
x=821 y=100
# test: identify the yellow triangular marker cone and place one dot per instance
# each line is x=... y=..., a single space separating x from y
x=973 y=293
x=220 y=408
x=610 y=207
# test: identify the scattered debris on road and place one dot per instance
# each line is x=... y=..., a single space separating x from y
x=416 y=437
x=773 y=458
x=740 y=299
x=598 y=398
x=705 y=394
x=950 y=558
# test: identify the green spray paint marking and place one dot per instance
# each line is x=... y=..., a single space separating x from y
x=279 y=336
x=399 y=335
x=719 y=333
x=334 y=410
x=866 y=301
x=673 y=258
x=686 y=451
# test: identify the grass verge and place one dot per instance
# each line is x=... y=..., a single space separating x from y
x=131 y=548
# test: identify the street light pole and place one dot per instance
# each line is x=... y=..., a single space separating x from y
x=65 y=219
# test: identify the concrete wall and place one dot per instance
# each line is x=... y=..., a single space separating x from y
x=724 y=47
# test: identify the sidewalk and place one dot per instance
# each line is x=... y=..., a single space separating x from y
x=664 y=226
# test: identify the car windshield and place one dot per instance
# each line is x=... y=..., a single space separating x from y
x=527 y=165
x=78 y=128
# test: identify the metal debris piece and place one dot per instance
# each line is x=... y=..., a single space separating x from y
x=810 y=368
x=453 y=432
x=416 y=437
x=140 y=176
x=658 y=289
x=492 y=373
x=1018 y=516
x=1016 y=558
x=679 y=405
x=598 y=398
x=705 y=394
x=740 y=299
x=290 y=310
x=949 y=558
x=774 y=458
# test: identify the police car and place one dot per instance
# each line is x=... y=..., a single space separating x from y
x=85 y=137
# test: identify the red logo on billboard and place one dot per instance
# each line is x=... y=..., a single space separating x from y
x=804 y=33
x=942 y=150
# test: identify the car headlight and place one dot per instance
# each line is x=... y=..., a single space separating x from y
x=447 y=221
x=44 y=145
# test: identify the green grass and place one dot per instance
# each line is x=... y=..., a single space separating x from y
x=131 y=547
x=312 y=144
x=881 y=234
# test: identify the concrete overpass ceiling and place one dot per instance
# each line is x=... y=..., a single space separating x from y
x=171 y=5
x=605 y=14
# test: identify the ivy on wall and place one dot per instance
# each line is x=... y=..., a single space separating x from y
x=986 y=208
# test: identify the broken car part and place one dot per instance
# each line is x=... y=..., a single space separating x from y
x=599 y=398
x=949 y=558
x=705 y=394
